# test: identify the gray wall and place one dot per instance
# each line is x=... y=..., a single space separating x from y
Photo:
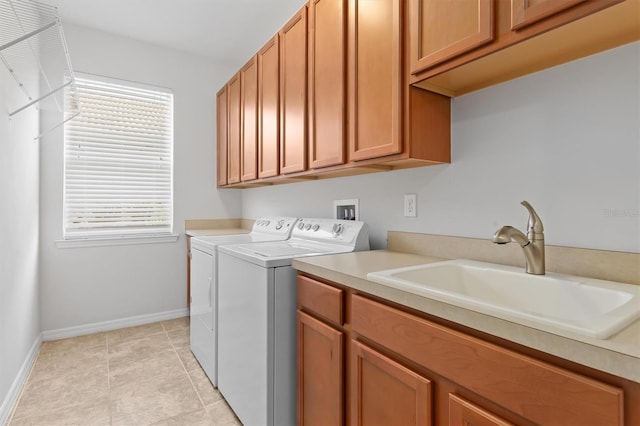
x=19 y=162
x=80 y=286
x=566 y=139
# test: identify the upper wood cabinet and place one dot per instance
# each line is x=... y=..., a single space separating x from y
x=525 y=12
x=249 y=139
x=293 y=94
x=233 y=129
x=441 y=30
x=327 y=84
x=457 y=47
x=221 y=126
x=375 y=78
x=268 y=109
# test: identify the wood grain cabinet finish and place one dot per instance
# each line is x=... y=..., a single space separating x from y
x=321 y=299
x=221 y=127
x=384 y=392
x=402 y=368
x=327 y=82
x=234 y=129
x=441 y=30
x=269 y=109
x=457 y=47
x=320 y=373
x=525 y=12
x=249 y=138
x=293 y=94
x=375 y=78
x=464 y=413
x=538 y=392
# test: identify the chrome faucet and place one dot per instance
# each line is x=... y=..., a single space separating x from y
x=532 y=244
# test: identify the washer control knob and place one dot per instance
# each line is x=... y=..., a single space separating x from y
x=316 y=227
x=307 y=226
x=337 y=228
x=301 y=225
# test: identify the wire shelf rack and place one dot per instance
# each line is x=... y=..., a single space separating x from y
x=34 y=51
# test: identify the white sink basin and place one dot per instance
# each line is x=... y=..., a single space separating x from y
x=590 y=307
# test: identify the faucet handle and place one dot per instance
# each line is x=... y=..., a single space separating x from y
x=534 y=226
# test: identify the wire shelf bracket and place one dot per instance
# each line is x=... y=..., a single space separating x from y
x=34 y=51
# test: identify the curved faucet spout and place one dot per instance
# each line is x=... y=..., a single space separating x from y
x=508 y=234
x=532 y=244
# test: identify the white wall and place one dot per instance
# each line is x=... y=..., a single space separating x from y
x=19 y=315
x=85 y=285
x=566 y=139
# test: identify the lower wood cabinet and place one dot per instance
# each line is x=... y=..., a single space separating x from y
x=320 y=373
x=464 y=413
x=366 y=361
x=384 y=392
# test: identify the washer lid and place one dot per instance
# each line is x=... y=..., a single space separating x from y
x=275 y=254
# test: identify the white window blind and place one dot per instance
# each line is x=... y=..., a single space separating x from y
x=118 y=160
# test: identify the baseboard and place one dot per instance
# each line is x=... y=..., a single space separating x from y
x=96 y=327
x=21 y=378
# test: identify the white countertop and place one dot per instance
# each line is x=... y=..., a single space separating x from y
x=618 y=355
x=219 y=231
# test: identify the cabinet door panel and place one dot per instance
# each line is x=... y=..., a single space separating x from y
x=383 y=392
x=234 y=131
x=327 y=48
x=320 y=373
x=535 y=390
x=440 y=30
x=293 y=94
x=375 y=87
x=249 y=139
x=268 y=109
x=221 y=143
x=525 y=12
x=463 y=413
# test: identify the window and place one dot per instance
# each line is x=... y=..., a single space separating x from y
x=118 y=160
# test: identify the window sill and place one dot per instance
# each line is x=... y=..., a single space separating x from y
x=116 y=241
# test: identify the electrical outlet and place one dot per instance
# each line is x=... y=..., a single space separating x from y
x=410 y=205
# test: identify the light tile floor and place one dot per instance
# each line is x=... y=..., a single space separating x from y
x=136 y=376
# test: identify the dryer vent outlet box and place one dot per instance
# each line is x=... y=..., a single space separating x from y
x=346 y=209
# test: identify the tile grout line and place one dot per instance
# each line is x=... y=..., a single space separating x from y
x=184 y=368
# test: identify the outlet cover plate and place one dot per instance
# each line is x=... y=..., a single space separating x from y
x=410 y=205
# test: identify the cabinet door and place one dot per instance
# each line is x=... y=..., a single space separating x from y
x=233 y=130
x=375 y=81
x=440 y=30
x=383 y=392
x=320 y=373
x=268 y=121
x=249 y=138
x=525 y=12
x=464 y=413
x=327 y=100
x=221 y=143
x=293 y=94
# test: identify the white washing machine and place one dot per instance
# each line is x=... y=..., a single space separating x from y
x=257 y=317
x=204 y=289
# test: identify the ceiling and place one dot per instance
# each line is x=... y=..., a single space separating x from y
x=230 y=31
